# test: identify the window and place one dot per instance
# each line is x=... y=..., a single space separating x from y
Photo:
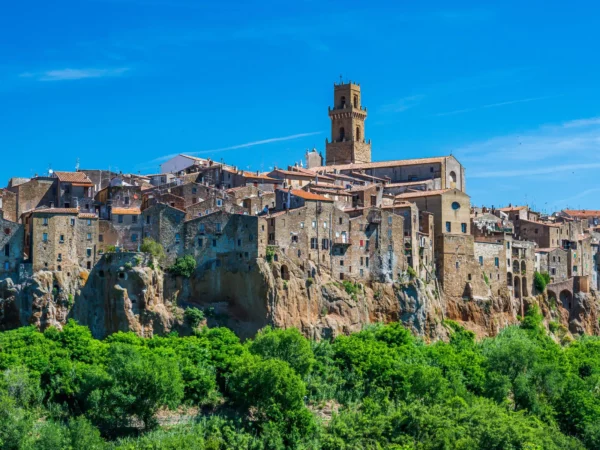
x=508 y=245
x=88 y=252
x=324 y=224
x=89 y=236
x=214 y=242
x=200 y=242
x=218 y=227
x=59 y=258
x=361 y=260
x=239 y=242
x=120 y=218
x=574 y=269
x=134 y=219
x=463 y=227
x=194 y=190
x=362 y=243
x=45 y=221
x=250 y=237
x=325 y=244
x=448 y=227
x=553 y=271
x=219 y=202
x=61 y=239
x=457 y=265
x=201 y=228
x=299 y=253
x=7 y=250
x=89 y=222
x=126 y=200
x=497 y=262
x=341 y=220
x=341 y=262
x=45 y=237
x=314 y=224
x=134 y=237
x=295 y=238
x=73 y=222
x=389 y=220
x=177 y=238
x=89 y=265
x=481 y=260
x=455 y=206
x=314 y=244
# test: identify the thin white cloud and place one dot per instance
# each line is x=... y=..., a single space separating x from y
x=491 y=105
x=74 y=74
x=402 y=105
x=235 y=147
x=579 y=196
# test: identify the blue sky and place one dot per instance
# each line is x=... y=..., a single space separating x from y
x=509 y=88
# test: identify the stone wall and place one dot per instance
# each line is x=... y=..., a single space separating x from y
x=12 y=236
x=8 y=205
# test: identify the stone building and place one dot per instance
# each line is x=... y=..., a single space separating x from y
x=348 y=143
x=74 y=189
x=164 y=224
x=63 y=239
x=126 y=227
x=411 y=228
x=546 y=235
x=8 y=205
x=34 y=193
x=554 y=261
x=12 y=236
x=231 y=242
x=155 y=197
x=122 y=196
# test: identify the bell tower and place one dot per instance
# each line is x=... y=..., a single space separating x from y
x=348 y=143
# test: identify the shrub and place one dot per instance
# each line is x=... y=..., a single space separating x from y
x=128 y=265
x=541 y=280
x=554 y=326
x=151 y=247
x=411 y=272
x=184 y=266
x=111 y=249
x=486 y=279
x=351 y=288
x=270 y=253
x=193 y=316
x=310 y=281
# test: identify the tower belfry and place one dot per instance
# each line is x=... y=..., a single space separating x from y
x=348 y=143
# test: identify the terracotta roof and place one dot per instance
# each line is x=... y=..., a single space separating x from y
x=310 y=196
x=56 y=210
x=546 y=250
x=73 y=177
x=582 y=212
x=421 y=194
x=330 y=191
x=375 y=165
x=126 y=211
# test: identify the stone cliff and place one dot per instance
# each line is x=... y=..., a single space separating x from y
x=125 y=292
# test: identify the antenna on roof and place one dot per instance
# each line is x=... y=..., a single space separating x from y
x=77 y=165
x=341 y=79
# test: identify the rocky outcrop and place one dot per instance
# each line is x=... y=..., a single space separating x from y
x=125 y=292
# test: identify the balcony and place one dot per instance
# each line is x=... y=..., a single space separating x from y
x=342 y=241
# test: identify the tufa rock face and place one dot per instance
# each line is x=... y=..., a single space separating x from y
x=124 y=292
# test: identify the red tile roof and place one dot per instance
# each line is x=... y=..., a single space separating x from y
x=310 y=196
x=73 y=177
x=582 y=213
x=126 y=211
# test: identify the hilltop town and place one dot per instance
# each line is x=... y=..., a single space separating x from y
x=327 y=246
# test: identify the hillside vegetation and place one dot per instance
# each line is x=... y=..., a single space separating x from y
x=381 y=388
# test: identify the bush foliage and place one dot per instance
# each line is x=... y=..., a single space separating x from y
x=381 y=388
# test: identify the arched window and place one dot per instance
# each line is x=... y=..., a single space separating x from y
x=342 y=102
x=356 y=101
x=523 y=267
x=342 y=133
x=358 y=134
x=285 y=273
x=452 y=178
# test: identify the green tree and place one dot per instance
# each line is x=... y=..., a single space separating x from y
x=184 y=266
x=287 y=345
